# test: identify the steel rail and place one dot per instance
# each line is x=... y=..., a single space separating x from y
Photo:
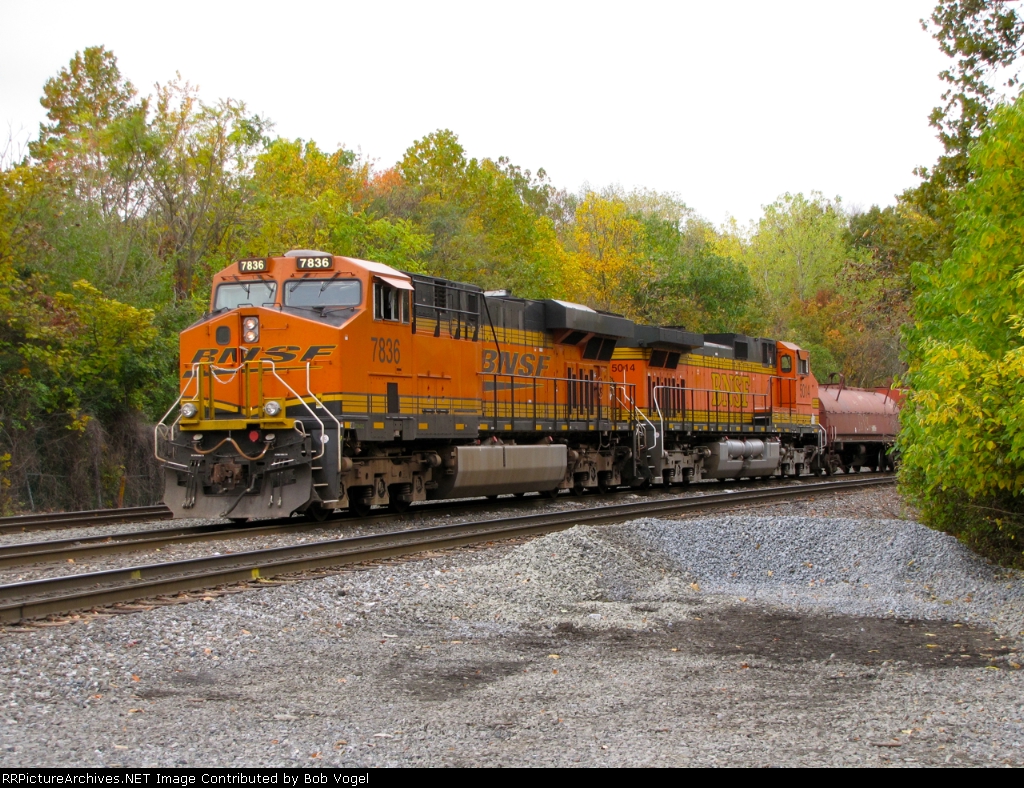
x=76 y=548
x=36 y=598
x=52 y=520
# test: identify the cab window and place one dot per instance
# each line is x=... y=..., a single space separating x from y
x=802 y=366
x=317 y=293
x=255 y=293
x=390 y=303
x=786 y=363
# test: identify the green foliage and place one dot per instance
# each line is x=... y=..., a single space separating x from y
x=75 y=355
x=963 y=435
x=818 y=282
x=798 y=250
x=304 y=198
x=687 y=283
x=984 y=37
x=70 y=363
x=81 y=101
x=482 y=216
x=709 y=292
x=198 y=168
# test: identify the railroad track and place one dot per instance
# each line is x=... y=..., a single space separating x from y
x=78 y=548
x=54 y=520
x=37 y=598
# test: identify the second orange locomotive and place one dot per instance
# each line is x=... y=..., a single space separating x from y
x=319 y=383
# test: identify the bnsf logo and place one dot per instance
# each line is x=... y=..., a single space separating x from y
x=279 y=354
x=527 y=364
x=737 y=383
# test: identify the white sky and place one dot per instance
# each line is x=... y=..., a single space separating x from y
x=728 y=105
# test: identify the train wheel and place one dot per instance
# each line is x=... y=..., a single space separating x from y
x=239 y=520
x=317 y=513
x=578 y=488
x=399 y=497
x=551 y=493
x=359 y=499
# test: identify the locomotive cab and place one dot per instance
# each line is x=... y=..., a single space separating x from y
x=252 y=435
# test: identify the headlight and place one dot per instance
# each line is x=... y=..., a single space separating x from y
x=272 y=408
x=188 y=410
x=251 y=329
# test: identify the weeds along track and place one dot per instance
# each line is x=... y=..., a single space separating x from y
x=38 y=598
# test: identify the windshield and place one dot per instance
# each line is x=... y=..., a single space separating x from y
x=255 y=293
x=323 y=292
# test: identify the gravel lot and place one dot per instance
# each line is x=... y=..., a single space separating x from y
x=843 y=635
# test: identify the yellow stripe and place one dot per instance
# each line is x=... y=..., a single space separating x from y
x=695 y=360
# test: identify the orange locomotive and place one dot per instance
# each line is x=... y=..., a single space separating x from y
x=319 y=383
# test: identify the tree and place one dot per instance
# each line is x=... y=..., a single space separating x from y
x=703 y=292
x=483 y=216
x=985 y=38
x=81 y=101
x=799 y=248
x=198 y=175
x=606 y=243
x=963 y=423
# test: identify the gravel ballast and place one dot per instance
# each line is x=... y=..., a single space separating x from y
x=739 y=639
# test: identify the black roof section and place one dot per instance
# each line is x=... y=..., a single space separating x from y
x=650 y=336
x=561 y=314
x=743 y=347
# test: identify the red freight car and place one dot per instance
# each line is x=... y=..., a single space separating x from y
x=860 y=427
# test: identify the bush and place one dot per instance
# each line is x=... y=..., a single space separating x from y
x=963 y=423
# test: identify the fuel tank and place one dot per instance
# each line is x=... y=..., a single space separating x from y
x=493 y=470
x=733 y=458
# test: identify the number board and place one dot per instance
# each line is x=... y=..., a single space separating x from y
x=253 y=265
x=314 y=263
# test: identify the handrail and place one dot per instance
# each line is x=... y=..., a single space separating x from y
x=586 y=402
x=323 y=429
x=309 y=390
x=159 y=424
x=793 y=404
x=233 y=372
x=634 y=409
x=214 y=369
x=752 y=394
